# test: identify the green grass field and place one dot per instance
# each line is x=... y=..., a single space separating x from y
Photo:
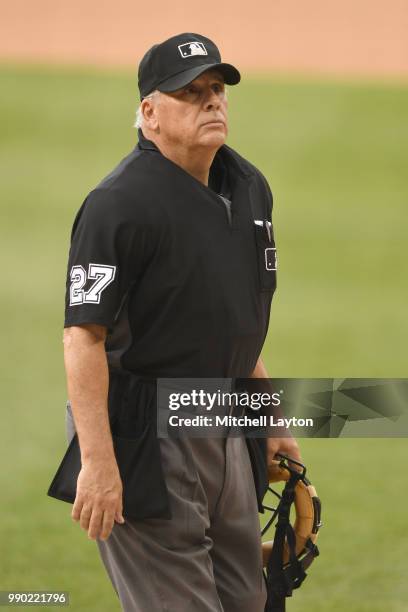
x=336 y=156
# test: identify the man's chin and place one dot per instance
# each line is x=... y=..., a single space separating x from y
x=213 y=139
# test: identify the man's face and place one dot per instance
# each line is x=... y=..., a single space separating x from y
x=196 y=115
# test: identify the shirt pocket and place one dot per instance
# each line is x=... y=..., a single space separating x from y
x=266 y=254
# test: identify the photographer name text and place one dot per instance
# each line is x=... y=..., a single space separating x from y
x=238 y=421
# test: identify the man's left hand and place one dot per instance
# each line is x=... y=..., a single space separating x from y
x=287 y=446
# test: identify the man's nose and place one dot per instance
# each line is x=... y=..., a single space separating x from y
x=212 y=100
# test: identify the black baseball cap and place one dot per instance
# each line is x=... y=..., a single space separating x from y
x=179 y=60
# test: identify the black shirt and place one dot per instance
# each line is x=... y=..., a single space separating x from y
x=183 y=290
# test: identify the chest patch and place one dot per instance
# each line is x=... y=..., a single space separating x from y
x=271 y=260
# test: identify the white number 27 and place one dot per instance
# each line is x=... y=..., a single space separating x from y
x=102 y=275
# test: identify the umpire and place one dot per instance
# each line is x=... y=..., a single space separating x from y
x=171 y=273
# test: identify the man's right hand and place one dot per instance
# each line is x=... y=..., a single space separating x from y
x=98 y=502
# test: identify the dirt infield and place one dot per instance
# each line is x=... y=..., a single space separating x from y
x=359 y=37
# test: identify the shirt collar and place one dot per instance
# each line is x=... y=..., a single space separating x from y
x=144 y=143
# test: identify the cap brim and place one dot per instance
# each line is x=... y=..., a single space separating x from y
x=228 y=71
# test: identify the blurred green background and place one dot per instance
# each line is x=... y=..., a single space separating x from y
x=336 y=157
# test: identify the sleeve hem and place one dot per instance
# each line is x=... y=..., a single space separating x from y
x=89 y=320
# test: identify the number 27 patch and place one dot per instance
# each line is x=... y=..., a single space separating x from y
x=102 y=277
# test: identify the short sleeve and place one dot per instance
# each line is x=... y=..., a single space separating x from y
x=105 y=258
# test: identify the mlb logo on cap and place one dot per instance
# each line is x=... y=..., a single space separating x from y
x=192 y=48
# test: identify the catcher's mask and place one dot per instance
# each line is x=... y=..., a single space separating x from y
x=293 y=549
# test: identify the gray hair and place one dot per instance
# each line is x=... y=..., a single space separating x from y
x=139 y=116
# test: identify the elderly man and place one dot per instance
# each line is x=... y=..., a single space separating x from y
x=171 y=274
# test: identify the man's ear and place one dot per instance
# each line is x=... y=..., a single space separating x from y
x=149 y=113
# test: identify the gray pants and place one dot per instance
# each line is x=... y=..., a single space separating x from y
x=207 y=558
